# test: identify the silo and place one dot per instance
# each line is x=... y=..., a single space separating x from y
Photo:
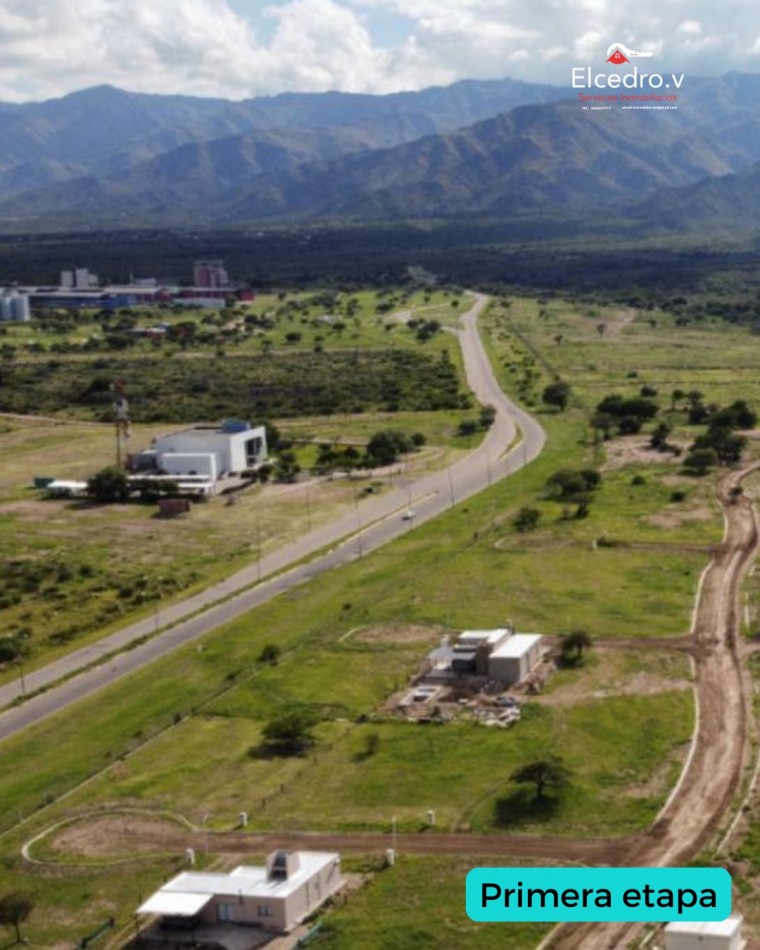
x=20 y=309
x=6 y=307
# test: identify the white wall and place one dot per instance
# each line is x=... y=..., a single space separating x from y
x=190 y=463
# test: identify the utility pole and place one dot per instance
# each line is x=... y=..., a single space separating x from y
x=122 y=421
x=258 y=547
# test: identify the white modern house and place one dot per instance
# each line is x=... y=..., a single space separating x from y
x=276 y=897
x=501 y=655
x=211 y=451
x=515 y=658
x=717 y=935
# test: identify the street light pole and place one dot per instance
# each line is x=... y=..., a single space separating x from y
x=359 y=525
x=23 y=680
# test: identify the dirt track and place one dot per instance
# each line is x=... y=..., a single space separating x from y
x=714 y=770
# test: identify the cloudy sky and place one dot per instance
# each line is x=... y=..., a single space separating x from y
x=240 y=48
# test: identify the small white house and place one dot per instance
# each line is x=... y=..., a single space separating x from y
x=275 y=898
x=717 y=935
x=212 y=451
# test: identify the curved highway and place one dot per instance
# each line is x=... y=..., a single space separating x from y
x=375 y=522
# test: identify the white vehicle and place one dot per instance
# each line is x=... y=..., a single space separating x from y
x=408 y=515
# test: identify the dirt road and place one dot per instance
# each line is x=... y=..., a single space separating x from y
x=713 y=771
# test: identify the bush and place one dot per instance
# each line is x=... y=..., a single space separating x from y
x=527 y=519
x=108 y=486
x=467 y=427
x=270 y=654
x=572 y=485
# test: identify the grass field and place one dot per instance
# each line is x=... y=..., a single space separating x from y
x=421 y=904
x=636 y=348
x=83 y=570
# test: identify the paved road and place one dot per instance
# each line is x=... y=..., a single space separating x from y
x=375 y=522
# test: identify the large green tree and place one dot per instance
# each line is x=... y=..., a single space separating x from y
x=557 y=394
x=14 y=910
x=290 y=733
x=573 y=645
x=542 y=774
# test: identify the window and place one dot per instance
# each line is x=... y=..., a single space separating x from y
x=265 y=910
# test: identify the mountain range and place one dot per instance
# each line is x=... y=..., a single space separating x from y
x=106 y=157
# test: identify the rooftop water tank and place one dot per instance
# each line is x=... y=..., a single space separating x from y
x=232 y=426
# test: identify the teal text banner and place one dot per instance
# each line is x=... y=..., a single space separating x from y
x=598 y=894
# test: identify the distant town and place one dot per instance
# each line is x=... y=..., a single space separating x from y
x=80 y=288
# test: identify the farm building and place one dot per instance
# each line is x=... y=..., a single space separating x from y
x=501 y=655
x=276 y=897
x=717 y=935
x=212 y=451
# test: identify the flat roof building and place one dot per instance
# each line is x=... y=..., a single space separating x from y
x=276 y=897
x=211 y=451
x=715 y=935
x=513 y=659
x=499 y=654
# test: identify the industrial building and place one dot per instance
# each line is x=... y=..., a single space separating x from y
x=210 y=274
x=79 y=279
x=210 y=451
x=716 y=935
x=276 y=897
x=14 y=307
x=500 y=655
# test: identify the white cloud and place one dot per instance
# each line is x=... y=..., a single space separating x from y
x=204 y=47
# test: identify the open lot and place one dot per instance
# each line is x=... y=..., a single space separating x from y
x=622 y=721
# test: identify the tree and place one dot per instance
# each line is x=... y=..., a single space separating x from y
x=659 y=438
x=727 y=446
x=14 y=910
x=637 y=407
x=557 y=394
x=699 y=461
x=108 y=485
x=543 y=773
x=573 y=645
x=527 y=519
x=287 y=468
x=289 y=734
x=385 y=447
x=602 y=423
x=571 y=485
x=676 y=396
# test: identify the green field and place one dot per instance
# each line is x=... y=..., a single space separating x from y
x=628 y=568
x=421 y=904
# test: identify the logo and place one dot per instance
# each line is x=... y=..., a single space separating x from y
x=618 y=53
x=626 y=88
